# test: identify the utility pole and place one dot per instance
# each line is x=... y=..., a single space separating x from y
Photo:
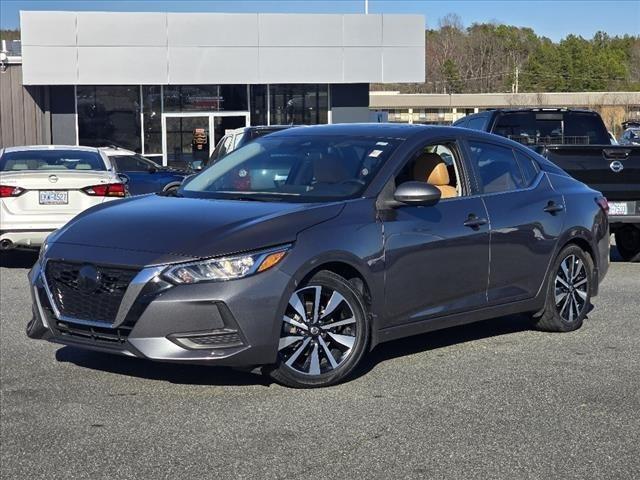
x=517 y=75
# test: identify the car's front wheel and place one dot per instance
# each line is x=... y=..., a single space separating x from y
x=324 y=333
x=568 y=291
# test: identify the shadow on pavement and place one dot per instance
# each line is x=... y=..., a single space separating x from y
x=18 y=258
x=211 y=375
x=168 y=372
x=494 y=327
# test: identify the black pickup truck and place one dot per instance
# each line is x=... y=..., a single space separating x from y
x=579 y=143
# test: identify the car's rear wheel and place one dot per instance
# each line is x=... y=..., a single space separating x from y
x=324 y=333
x=628 y=243
x=568 y=291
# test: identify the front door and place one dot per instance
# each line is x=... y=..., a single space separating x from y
x=437 y=257
x=189 y=139
x=437 y=260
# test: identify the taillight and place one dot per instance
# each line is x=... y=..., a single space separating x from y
x=106 y=190
x=9 y=191
x=603 y=204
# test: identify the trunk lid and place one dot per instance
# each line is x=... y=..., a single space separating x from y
x=71 y=182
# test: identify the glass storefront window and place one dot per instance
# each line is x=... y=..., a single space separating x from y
x=299 y=104
x=152 y=119
x=259 y=105
x=109 y=115
x=205 y=98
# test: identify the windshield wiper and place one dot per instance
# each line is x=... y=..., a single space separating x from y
x=253 y=198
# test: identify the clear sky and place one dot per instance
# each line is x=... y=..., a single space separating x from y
x=552 y=18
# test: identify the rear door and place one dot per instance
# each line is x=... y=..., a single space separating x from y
x=526 y=215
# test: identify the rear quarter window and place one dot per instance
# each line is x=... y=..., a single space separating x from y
x=528 y=167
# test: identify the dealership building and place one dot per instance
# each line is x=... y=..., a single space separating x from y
x=148 y=81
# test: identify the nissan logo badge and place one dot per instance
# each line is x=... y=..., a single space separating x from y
x=53 y=178
x=89 y=278
x=616 y=166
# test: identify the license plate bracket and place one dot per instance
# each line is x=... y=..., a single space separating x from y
x=53 y=197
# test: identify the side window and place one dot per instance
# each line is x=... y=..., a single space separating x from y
x=476 y=123
x=461 y=123
x=529 y=168
x=220 y=149
x=497 y=167
x=128 y=163
x=437 y=164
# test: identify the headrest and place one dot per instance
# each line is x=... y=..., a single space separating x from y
x=431 y=168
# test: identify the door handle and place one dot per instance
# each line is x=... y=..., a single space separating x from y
x=553 y=207
x=474 y=222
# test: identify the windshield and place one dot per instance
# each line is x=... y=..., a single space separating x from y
x=298 y=168
x=51 y=160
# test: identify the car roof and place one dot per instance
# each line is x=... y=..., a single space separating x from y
x=536 y=109
x=50 y=147
x=397 y=130
x=117 y=151
x=254 y=128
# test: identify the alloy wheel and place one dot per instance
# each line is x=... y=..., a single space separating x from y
x=318 y=331
x=571 y=288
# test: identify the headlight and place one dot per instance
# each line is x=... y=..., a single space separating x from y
x=226 y=268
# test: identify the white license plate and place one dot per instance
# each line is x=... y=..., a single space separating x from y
x=54 y=197
x=617 y=208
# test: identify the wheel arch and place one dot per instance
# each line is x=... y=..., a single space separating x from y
x=171 y=185
x=580 y=239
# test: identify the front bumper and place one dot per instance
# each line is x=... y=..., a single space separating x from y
x=233 y=323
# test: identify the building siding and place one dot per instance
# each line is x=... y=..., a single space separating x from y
x=24 y=111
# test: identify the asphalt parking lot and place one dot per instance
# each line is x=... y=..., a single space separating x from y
x=492 y=400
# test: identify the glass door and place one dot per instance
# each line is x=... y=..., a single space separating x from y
x=190 y=138
x=223 y=124
x=187 y=140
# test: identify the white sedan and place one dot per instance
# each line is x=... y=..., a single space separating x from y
x=43 y=187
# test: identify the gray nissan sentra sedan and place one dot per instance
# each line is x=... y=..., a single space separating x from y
x=303 y=250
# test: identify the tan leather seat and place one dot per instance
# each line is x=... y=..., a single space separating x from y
x=431 y=168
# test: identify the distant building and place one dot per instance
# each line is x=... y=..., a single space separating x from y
x=442 y=109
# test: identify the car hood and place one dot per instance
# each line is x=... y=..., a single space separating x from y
x=192 y=228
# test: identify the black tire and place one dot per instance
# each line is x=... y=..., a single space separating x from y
x=171 y=190
x=566 y=307
x=628 y=243
x=319 y=335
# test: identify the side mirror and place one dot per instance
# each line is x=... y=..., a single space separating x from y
x=417 y=193
x=152 y=169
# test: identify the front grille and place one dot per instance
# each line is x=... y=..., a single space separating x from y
x=98 y=304
x=107 y=336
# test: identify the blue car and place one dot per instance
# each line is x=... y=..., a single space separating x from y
x=143 y=175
